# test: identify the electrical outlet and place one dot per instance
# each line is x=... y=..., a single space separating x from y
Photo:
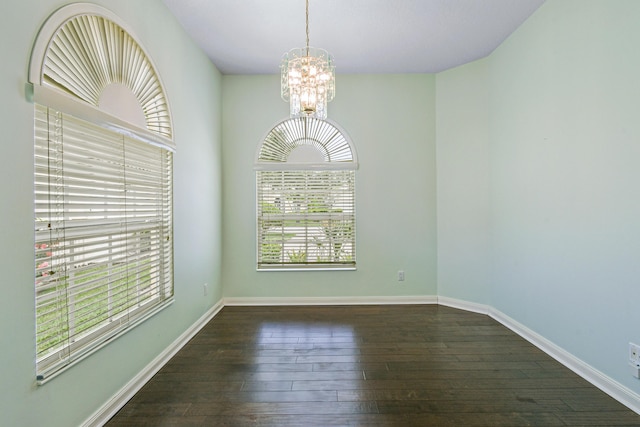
x=634 y=354
x=205 y=288
x=400 y=276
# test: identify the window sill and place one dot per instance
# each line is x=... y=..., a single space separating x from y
x=280 y=268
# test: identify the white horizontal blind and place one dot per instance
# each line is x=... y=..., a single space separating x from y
x=103 y=231
x=306 y=219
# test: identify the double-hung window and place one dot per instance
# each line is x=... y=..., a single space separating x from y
x=305 y=191
x=103 y=186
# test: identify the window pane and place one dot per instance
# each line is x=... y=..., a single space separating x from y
x=306 y=218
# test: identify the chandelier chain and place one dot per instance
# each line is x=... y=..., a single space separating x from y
x=307 y=25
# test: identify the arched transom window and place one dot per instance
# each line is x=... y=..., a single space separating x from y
x=305 y=190
x=103 y=185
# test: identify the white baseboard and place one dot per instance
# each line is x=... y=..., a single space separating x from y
x=118 y=400
x=382 y=300
x=622 y=394
x=464 y=305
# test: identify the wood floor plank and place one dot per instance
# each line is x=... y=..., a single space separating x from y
x=410 y=365
x=471 y=406
x=301 y=376
x=282 y=408
x=267 y=386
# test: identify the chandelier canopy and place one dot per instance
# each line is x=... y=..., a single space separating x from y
x=308 y=79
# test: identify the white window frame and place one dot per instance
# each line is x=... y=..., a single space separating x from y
x=103 y=186
x=305 y=197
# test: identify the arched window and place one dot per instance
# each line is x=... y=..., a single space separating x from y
x=305 y=190
x=103 y=185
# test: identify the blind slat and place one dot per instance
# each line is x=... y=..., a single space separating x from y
x=306 y=218
x=103 y=252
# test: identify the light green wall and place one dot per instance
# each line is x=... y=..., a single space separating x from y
x=552 y=115
x=193 y=89
x=565 y=156
x=391 y=120
x=464 y=256
x=537 y=191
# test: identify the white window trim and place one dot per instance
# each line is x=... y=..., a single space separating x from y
x=50 y=96
x=39 y=92
x=64 y=103
x=272 y=155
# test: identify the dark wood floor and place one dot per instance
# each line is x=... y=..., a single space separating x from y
x=417 y=365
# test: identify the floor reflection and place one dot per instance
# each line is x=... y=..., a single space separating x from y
x=323 y=358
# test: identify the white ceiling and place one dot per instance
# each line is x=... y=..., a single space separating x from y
x=364 y=36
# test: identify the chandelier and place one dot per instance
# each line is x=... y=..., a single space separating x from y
x=308 y=79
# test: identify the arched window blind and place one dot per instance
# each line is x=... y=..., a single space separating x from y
x=305 y=192
x=103 y=186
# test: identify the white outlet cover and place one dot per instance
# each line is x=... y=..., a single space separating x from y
x=634 y=354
